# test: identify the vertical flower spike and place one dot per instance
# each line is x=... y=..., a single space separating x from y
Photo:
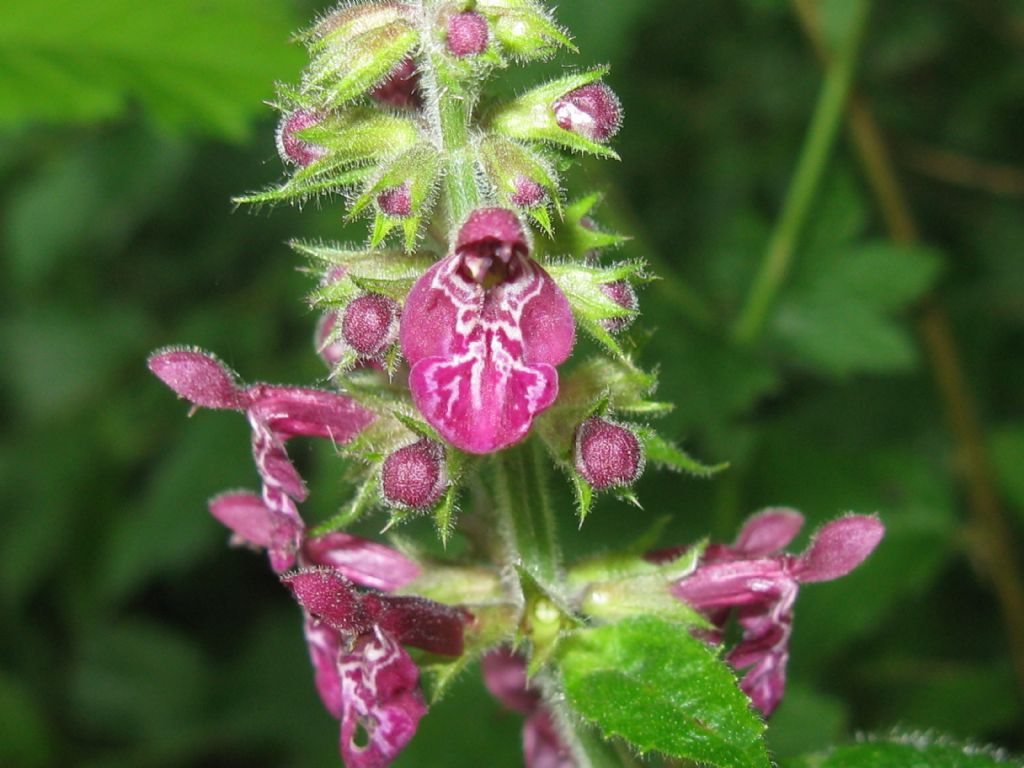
x=483 y=329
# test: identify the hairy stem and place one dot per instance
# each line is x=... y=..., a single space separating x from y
x=991 y=546
x=526 y=514
x=449 y=109
x=818 y=144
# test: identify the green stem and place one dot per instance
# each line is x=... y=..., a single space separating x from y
x=821 y=137
x=449 y=111
x=526 y=517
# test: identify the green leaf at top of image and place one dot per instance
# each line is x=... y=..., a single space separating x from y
x=652 y=683
x=908 y=751
x=194 y=65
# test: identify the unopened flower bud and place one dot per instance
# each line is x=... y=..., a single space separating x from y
x=401 y=88
x=623 y=294
x=468 y=34
x=370 y=324
x=396 y=201
x=414 y=477
x=592 y=111
x=607 y=455
x=290 y=147
x=528 y=193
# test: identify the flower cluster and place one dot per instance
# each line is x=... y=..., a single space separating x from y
x=450 y=377
x=760 y=583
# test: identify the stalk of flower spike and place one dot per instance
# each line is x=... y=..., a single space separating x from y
x=753 y=579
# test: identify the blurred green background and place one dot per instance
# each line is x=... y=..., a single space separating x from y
x=133 y=637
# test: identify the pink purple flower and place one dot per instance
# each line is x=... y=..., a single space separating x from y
x=364 y=676
x=754 y=579
x=483 y=330
x=275 y=415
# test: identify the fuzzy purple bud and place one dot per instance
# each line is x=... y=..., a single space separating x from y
x=593 y=112
x=401 y=88
x=328 y=596
x=528 y=193
x=414 y=477
x=468 y=34
x=331 y=598
x=607 y=455
x=198 y=377
x=290 y=147
x=623 y=294
x=396 y=201
x=370 y=324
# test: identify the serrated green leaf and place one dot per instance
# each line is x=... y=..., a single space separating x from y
x=652 y=683
x=194 y=65
x=909 y=751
